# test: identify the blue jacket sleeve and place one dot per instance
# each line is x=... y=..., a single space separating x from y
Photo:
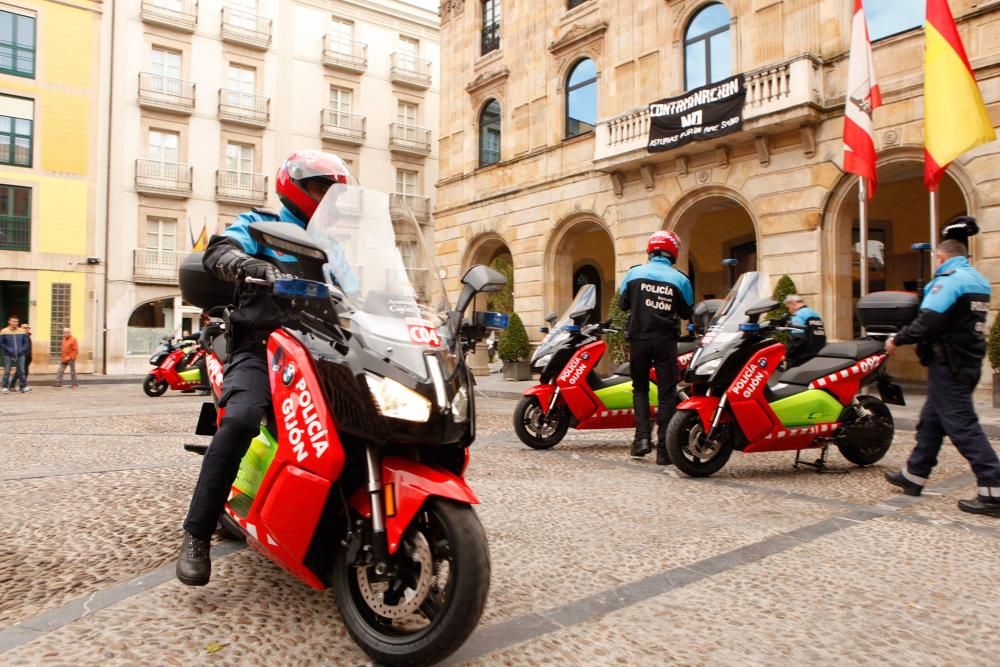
x=240 y=232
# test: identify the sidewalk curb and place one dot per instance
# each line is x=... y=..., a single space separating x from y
x=99 y=379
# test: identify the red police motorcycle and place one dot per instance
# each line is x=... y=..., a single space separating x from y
x=570 y=393
x=356 y=481
x=176 y=366
x=741 y=400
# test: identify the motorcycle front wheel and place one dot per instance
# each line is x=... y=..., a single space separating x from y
x=426 y=608
x=538 y=430
x=153 y=387
x=689 y=450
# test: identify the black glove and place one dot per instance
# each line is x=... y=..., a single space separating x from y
x=262 y=270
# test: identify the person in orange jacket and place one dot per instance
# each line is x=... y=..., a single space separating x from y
x=70 y=350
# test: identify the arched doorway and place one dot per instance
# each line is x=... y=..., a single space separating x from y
x=579 y=250
x=898 y=218
x=148 y=323
x=492 y=250
x=719 y=241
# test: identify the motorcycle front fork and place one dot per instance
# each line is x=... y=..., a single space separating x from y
x=380 y=542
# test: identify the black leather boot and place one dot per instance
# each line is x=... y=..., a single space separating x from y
x=981 y=505
x=908 y=487
x=662 y=455
x=642 y=444
x=194 y=566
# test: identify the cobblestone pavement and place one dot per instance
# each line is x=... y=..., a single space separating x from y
x=597 y=559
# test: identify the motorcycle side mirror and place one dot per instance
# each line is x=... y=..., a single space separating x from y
x=289 y=238
x=762 y=307
x=479 y=278
x=551 y=318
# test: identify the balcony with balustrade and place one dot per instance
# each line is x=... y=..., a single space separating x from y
x=179 y=15
x=345 y=54
x=164 y=93
x=156 y=267
x=409 y=139
x=163 y=179
x=244 y=108
x=239 y=187
x=419 y=205
x=407 y=70
x=246 y=29
x=781 y=97
x=346 y=128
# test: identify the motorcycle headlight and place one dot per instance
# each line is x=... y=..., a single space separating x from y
x=708 y=367
x=460 y=405
x=396 y=401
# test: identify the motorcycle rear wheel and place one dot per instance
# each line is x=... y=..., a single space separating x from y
x=865 y=442
x=688 y=451
x=154 y=387
x=537 y=430
x=441 y=587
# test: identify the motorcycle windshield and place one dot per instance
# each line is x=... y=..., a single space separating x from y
x=585 y=301
x=378 y=256
x=750 y=289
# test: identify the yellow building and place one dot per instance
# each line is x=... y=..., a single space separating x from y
x=50 y=80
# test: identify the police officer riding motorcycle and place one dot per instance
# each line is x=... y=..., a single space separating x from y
x=657 y=297
x=233 y=257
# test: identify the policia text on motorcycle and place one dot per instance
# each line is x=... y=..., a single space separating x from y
x=950 y=337
x=301 y=182
x=657 y=297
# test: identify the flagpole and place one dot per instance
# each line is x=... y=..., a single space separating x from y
x=863 y=234
x=934 y=226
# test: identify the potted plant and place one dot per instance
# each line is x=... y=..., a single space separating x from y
x=617 y=345
x=514 y=350
x=784 y=287
x=993 y=352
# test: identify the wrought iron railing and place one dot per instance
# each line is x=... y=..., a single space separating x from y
x=407 y=68
x=244 y=107
x=490 y=38
x=409 y=138
x=162 y=177
x=240 y=186
x=156 y=266
x=166 y=92
x=246 y=28
x=15 y=233
x=342 y=125
x=179 y=14
x=345 y=53
x=419 y=205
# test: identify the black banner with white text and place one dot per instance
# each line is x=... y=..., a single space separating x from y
x=704 y=113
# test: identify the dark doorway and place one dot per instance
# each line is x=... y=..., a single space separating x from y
x=588 y=275
x=13 y=300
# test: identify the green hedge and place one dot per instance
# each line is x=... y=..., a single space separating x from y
x=513 y=345
x=784 y=287
x=617 y=345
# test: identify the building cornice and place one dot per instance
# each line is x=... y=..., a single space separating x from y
x=378 y=13
x=576 y=35
x=487 y=80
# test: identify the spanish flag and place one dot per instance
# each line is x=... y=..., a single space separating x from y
x=955 y=118
x=202 y=242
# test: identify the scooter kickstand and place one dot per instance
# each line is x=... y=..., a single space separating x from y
x=819 y=464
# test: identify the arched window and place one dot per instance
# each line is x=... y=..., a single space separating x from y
x=708 y=47
x=581 y=99
x=489 y=134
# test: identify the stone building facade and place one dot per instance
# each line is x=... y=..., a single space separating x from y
x=572 y=205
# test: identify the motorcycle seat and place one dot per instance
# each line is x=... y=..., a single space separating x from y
x=854 y=349
x=685 y=346
x=814 y=369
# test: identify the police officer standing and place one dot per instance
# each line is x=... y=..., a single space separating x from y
x=657 y=297
x=949 y=334
x=233 y=256
x=809 y=336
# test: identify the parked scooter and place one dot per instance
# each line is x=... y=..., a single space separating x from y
x=176 y=366
x=742 y=401
x=357 y=479
x=570 y=393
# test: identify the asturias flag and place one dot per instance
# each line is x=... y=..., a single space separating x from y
x=955 y=118
x=863 y=96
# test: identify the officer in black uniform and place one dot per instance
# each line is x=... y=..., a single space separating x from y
x=301 y=183
x=657 y=297
x=950 y=337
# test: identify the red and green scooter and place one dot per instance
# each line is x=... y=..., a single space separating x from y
x=571 y=393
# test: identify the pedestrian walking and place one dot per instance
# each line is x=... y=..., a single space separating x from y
x=27 y=352
x=70 y=350
x=950 y=336
x=657 y=297
x=13 y=343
